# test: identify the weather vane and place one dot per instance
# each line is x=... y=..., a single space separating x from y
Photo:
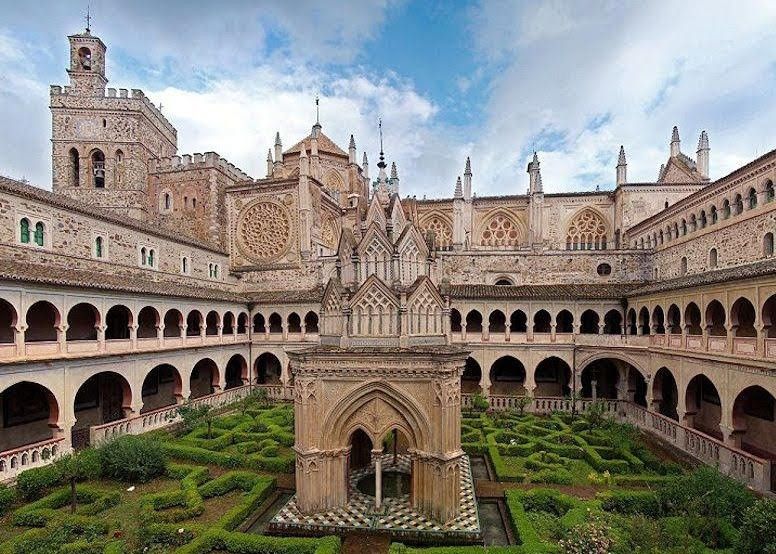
x=88 y=19
x=317 y=111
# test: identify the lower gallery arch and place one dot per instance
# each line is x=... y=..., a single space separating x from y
x=102 y=398
x=29 y=414
x=236 y=372
x=703 y=405
x=665 y=393
x=162 y=387
x=754 y=422
x=204 y=378
x=471 y=377
x=268 y=369
x=600 y=377
x=507 y=377
x=552 y=377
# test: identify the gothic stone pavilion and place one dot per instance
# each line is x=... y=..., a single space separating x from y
x=148 y=277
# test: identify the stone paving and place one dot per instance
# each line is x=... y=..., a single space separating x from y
x=396 y=516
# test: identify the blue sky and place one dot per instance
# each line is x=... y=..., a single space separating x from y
x=491 y=80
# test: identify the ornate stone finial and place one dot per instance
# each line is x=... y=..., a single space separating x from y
x=675 y=143
x=703 y=155
x=458 y=188
x=660 y=173
x=703 y=141
x=622 y=166
x=269 y=155
x=365 y=166
x=352 y=142
x=468 y=170
x=277 y=139
x=394 y=173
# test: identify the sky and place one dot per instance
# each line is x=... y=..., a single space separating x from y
x=491 y=80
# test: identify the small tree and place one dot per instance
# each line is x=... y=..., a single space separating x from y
x=523 y=402
x=574 y=397
x=77 y=465
x=479 y=403
x=193 y=415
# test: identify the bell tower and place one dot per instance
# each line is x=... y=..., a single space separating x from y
x=87 y=63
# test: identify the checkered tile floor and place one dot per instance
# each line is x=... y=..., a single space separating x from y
x=397 y=514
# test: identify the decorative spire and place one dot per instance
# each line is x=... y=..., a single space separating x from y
x=394 y=173
x=269 y=155
x=352 y=142
x=458 y=188
x=365 y=166
x=703 y=155
x=675 y=144
x=381 y=164
x=622 y=168
x=468 y=169
x=535 y=178
x=278 y=149
x=317 y=111
x=703 y=141
x=277 y=139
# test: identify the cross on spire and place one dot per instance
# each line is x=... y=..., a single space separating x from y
x=317 y=111
x=88 y=19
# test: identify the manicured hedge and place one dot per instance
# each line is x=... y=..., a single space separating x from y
x=244 y=543
x=631 y=502
x=7 y=497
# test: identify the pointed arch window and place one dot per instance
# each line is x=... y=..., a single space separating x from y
x=143 y=256
x=24 y=231
x=98 y=169
x=151 y=257
x=39 y=230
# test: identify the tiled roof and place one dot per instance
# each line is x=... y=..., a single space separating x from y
x=570 y=291
x=65 y=202
x=13 y=270
x=325 y=144
x=285 y=296
x=757 y=269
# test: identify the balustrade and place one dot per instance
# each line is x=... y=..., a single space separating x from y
x=13 y=462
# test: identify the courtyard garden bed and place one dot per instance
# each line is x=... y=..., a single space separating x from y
x=210 y=479
x=563 y=450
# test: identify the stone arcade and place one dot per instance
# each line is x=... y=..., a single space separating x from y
x=149 y=277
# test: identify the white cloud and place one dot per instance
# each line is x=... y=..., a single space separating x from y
x=646 y=66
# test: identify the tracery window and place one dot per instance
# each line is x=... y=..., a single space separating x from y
x=500 y=230
x=443 y=232
x=587 y=231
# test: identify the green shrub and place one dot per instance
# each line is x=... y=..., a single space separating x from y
x=631 y=502
x=758 y=529
x=269 y=451
x=714 y=532
x=7 y=496
x=132 y=458
x=707 y=493
x=31 y=484
x=546 y=500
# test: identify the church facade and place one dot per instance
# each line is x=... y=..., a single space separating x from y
x=148 y=277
